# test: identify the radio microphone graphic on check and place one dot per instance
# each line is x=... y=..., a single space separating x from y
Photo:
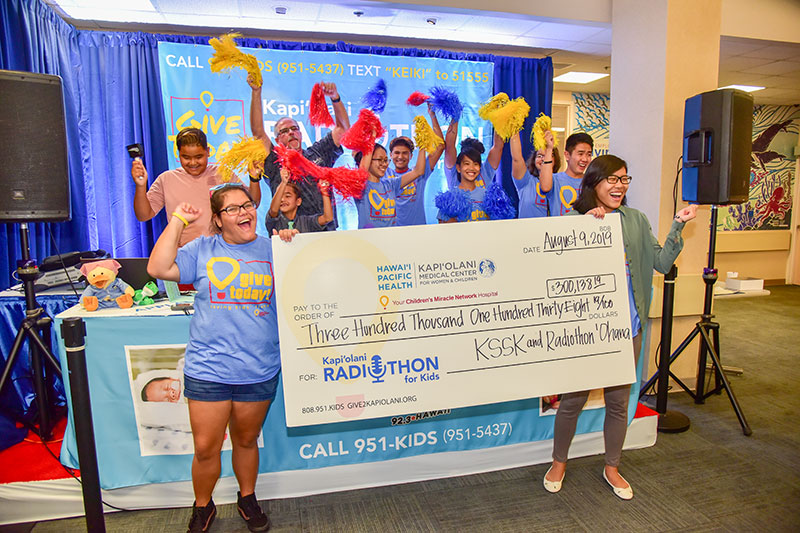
x=377 y=369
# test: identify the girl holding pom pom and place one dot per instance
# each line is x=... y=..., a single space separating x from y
x=534 y=176
x=377 y=207
x=469 y=171
x=487 y=171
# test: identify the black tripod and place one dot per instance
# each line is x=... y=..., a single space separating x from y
x=709 y=343
x=35 y=327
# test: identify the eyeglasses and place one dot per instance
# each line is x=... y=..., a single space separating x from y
x=234 y=210
x=221 y=186
x=284 y=131
x=380 y=160
x=539 y=156
x=613 y=179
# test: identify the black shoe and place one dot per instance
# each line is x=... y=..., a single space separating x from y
x=202 y=517
x=251 y=512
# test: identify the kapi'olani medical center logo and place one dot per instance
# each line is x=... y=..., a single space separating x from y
x=401 y=276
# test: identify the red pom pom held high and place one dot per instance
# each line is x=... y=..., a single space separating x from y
x=318 y=113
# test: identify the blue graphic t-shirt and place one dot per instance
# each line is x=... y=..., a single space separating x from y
x=476 y=195
x=532 y=203
x=563 y=194
x=486 y=176
x=377 y=206
x=411 y=200
x=233 y=336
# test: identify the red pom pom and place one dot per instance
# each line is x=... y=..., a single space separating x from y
x=417 y=98
x=361 y=135
x=298 y=166
x=348 y=181
x=318 y=113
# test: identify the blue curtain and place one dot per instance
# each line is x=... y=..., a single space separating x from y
x=112 y=96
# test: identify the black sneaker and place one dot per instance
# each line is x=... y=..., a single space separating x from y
x=202 y=517
x=251 y=512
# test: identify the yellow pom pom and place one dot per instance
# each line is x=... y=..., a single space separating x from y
x=510 y=118
x=227 y=56
x=543 y=123
x=424 y=136
x=492 y=104
x=243 y=153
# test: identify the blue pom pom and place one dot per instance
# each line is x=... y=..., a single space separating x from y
x=375 y=98
x=446 y=102
x=497 y=204
x=454 y=203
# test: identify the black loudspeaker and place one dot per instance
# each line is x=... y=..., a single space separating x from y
x=34 y=175
x=717 y=141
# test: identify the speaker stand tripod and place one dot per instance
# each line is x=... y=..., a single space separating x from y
x=708 y=330
x=35 y=328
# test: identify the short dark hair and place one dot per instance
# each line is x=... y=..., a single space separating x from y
x=576 y=139
x=532 y=163
x=598 y=169
x=191 y=137
x=405 y=141
x=144 y=389
x=358 y=156
x=471 y=143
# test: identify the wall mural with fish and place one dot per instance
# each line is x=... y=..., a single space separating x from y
x=772 y=172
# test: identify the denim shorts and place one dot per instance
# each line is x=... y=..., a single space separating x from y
x=209 y=391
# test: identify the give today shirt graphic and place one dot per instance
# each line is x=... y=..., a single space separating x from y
x=234 y=331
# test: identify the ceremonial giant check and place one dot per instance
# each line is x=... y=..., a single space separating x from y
x=390 y=321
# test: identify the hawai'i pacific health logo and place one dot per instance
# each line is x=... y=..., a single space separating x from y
x=486 y=268
x=236 y=282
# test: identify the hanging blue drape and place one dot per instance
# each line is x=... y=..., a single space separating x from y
x=112 y=99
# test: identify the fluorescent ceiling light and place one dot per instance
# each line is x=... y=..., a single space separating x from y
x=129 y=11
x=745 y=88
x=579 y=77
x=559 y=129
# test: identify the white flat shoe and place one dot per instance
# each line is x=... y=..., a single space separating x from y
x=553 y=486
x=625 y=494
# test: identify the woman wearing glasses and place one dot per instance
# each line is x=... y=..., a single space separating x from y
x=603 y=190
x=528 y=175
x=232 y=359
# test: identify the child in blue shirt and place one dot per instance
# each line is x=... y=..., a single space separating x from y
x=533 y=176
x=567 y=185
x=411 y=200
x=377 y=207
x=468 y=169
x=450 y=155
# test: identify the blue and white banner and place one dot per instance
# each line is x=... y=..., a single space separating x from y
x=219 y=104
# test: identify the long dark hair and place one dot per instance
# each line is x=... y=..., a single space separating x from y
x=531 y=162
x=598 y=169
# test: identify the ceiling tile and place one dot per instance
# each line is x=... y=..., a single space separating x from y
x=344 y=13
x=776 y=52
x=296 y=10
x=563 y=32
x=734 y=46
x=206 y=7
x=447 y=21
x=602 y=37
x=775 y=68
x=503 y=25
x=738 y=63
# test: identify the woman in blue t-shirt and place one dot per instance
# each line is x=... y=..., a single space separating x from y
x=603 y=189
x=232 y=358
x=377 y=207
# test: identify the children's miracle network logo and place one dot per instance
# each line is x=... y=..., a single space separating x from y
x=236 y=282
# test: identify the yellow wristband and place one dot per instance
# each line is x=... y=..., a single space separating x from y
x=181 y=218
